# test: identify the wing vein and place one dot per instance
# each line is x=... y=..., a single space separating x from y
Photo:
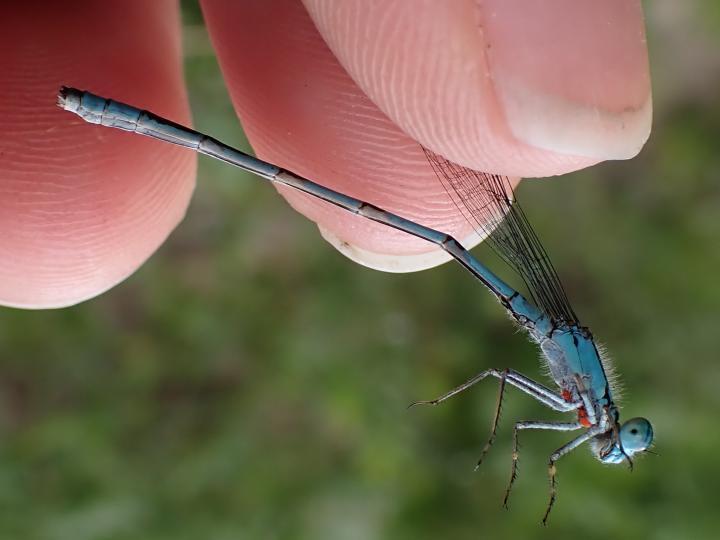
x=486 y=202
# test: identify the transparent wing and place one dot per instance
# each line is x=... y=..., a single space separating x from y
x=486 y=202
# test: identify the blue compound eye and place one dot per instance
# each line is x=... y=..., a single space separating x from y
x=636 y=435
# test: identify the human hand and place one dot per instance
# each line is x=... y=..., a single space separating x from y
x=517 y=88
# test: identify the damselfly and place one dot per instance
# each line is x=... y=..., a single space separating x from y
x=572 y=357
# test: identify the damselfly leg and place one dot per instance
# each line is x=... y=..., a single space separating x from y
x=532 y=424
x=508 y=376
x=556 y=455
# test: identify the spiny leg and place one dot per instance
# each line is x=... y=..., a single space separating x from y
x=534 y=389
x=496 y=420
x=555 y=426
x=513 y=467
x=560 y=452
x=540 y=393
x=464 y=386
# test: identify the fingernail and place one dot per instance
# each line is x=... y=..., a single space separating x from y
x=553 y=123
x=390 y=262
x=571 y=77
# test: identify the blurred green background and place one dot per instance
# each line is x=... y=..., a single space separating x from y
x=250 y=382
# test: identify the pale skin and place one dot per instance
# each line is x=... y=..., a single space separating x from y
x=340 y=91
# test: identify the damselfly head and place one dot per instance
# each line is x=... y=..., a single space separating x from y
x=635 y=436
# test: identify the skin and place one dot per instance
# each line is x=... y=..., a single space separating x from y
x=340 y=91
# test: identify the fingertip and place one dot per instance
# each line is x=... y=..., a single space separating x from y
x=572 y=77
x=82 y=207
x=300 y=110
x=522 y=89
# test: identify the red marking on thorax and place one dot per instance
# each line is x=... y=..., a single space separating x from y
x=582 y=413
x=583 y=417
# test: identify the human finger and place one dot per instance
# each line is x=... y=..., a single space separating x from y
x=301 y=110
x=82 y=207
x=520 y=87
